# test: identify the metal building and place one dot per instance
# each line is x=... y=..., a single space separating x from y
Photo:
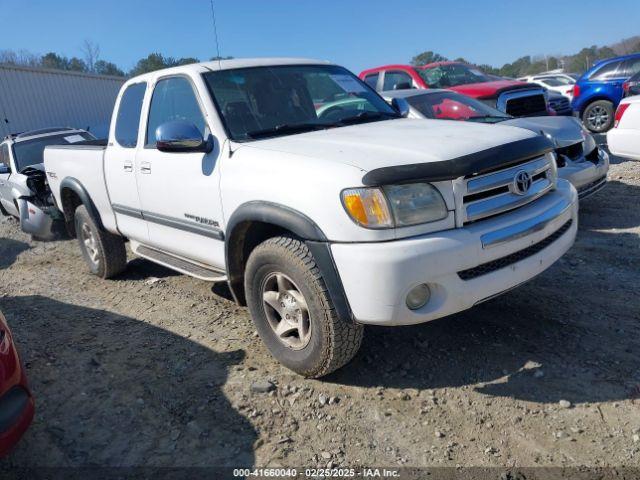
x=33 y=98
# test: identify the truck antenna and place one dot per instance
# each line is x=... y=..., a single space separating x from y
x=215 y=33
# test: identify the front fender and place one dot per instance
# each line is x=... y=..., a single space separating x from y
x=286 y=219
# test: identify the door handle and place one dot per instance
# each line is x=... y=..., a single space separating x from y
x=145 y=167
x=128 y=167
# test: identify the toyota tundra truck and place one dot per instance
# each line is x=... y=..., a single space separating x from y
x=320 y=220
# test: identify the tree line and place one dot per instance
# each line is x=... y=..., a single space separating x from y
x=90 y=61
x=531 y=65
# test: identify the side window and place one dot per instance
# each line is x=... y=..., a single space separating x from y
x=372 y=80
x=606 y=72
x=128 y=121
x=4 y=155
x=397 y=81
x=173 y=99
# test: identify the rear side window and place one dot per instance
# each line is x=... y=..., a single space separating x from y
x=372 y=80
x=173 y=100
x=397 y=81
x=606 y=72
x=128 y=121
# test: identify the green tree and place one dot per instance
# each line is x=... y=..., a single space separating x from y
x=427 y=57
x=54 y=61
x=76 y=65
x=153 y=62
x=103 y=67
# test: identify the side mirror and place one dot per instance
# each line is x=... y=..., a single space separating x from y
x=403 y=86
x=401 y=106
x=4 y=168
x=181 y=136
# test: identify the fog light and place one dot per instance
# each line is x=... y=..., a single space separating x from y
x=418 y=297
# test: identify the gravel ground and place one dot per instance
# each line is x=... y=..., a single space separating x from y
x=156 y=369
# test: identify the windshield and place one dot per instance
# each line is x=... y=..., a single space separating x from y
x=261 y=102
x=451 y=75
x=30 y=152
x=453 y=106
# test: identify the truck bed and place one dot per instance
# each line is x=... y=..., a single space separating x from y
x=83 y=163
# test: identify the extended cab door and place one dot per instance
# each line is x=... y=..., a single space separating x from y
x=120 y=163
x=179 y=191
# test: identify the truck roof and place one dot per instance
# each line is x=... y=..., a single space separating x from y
x=216 y=65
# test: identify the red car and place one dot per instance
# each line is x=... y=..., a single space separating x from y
x=515 y=98
x=16 y=402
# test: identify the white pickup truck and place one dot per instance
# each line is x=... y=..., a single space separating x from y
x=320 y=224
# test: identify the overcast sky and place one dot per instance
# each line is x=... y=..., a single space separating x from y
x=357 y=34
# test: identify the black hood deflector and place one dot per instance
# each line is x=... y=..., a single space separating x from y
x=474 y=163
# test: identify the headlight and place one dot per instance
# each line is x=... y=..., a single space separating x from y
x=394 y=205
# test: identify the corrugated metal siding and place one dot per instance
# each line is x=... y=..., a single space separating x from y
x=34 y=98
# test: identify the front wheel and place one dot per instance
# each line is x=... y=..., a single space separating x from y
x=293 y=312
x=598 y=116
x=104 y=252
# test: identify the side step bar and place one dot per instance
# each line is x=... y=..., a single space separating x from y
x=180 y=264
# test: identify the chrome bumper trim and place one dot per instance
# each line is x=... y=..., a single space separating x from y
x=522 y=229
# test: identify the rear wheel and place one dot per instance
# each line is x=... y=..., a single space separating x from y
x=293 y=312
x=104 y=252
x=598 y=116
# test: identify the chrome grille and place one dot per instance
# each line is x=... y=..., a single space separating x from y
x=494 y=193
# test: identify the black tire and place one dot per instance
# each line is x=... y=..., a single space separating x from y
x=332 y=341
x=598 y=116
x=108 y=257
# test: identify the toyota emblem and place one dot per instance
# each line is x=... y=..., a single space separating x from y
x=522 y=182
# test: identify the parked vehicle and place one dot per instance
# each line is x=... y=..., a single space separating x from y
x=319 y=222
x=578 y=157
x=632 y=86
x=24 y=191
x=561 y=83
x=510 y=96
x=623 y=139
x=16 y=402
x=598 y=91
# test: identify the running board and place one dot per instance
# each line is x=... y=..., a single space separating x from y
x=180 y=264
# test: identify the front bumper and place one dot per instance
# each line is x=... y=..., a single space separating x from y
x=38 y=221
x=586 y=176
x=495 y=255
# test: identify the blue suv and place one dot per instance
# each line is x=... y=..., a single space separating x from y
x=598 y=91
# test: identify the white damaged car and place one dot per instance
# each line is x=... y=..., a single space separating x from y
x=579 y=158
x=24 y=191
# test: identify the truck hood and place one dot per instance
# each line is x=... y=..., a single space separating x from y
x=491 y=89
x=564 y=131
x=395 y=142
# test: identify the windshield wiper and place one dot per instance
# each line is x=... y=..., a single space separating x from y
x=286 y=128
x=367 y=116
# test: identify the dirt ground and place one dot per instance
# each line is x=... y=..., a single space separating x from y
x=156 y=369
